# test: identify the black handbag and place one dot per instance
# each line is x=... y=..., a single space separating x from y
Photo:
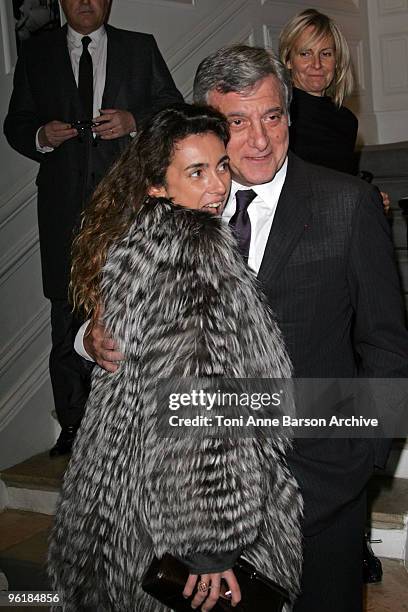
x=165 y=579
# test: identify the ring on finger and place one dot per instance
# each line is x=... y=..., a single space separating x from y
x=202 y=586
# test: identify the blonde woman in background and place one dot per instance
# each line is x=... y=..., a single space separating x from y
x=322 y=131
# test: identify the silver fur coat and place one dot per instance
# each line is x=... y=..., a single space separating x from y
x=181 y=302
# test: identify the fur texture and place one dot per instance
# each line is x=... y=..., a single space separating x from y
x=182 y=303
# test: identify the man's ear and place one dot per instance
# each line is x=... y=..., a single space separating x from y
x=157 y=192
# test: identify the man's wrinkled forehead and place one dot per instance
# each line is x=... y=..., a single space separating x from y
x=219 y=96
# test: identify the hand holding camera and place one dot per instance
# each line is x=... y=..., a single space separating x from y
x=54 y=133
x=113 y=123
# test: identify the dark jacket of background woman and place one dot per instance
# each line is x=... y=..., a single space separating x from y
x=321 y=133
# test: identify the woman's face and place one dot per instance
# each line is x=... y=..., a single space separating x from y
x=198 y=176
x=312 y=63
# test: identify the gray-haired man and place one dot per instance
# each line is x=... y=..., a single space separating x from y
x=320 y=246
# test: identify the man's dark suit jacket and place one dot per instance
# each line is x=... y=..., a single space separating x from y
x=137 y=80
x=330 y=276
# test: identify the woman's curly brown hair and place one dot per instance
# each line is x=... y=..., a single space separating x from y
x=122 y=192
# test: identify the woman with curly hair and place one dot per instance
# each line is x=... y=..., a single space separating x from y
x=182 y=303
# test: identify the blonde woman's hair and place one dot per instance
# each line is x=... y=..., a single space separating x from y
x=343 y=81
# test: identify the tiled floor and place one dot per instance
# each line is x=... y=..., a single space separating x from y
x=23 y=536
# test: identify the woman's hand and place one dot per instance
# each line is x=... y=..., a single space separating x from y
x=208 y=589
x=386 y=201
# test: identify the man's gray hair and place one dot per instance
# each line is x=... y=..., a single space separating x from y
x=238 y=68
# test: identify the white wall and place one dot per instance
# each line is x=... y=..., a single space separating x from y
x=26 y=426
x=388 y=44
x=186 y=31
x=377 y=32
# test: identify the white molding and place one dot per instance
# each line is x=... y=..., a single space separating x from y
x=269 y=33
x=8 y=35
x=32 y=500
x=211 y=30
x=17 y=256
x=267 y=41
x=245 y=36
x=12 y=204
x=388 y=7
x=393 y=544
x=180 y=4
x=357 y=46
x=4 y=499
x=332 y=6
x=392 y=58
x=392 y=126
x=14 y=201
x=26 y=336
x=24 y=388
x=180 y=53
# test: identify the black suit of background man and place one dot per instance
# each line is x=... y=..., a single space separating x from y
x=137 y=81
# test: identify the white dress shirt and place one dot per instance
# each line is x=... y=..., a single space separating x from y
x=261 y=212
x=98 y=48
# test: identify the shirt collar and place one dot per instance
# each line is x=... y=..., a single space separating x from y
x=267 y=191
x=75 y=38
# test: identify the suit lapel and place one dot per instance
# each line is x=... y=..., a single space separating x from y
x=63 y=67
x=115 y=67
x=292 y=217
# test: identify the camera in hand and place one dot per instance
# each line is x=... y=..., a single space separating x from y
x=85 y=126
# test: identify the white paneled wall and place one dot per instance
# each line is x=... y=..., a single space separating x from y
x=26 y=426
x=186 y=31
x=388 y=27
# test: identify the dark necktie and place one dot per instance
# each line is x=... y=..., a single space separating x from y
x=85 y=79
x=240 y=221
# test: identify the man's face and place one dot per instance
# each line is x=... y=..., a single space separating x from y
x=85 y=16
x=259 y=131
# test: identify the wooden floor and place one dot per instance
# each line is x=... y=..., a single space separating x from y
x=390 y=595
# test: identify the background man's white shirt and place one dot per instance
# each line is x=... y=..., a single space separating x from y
x=98 y=48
